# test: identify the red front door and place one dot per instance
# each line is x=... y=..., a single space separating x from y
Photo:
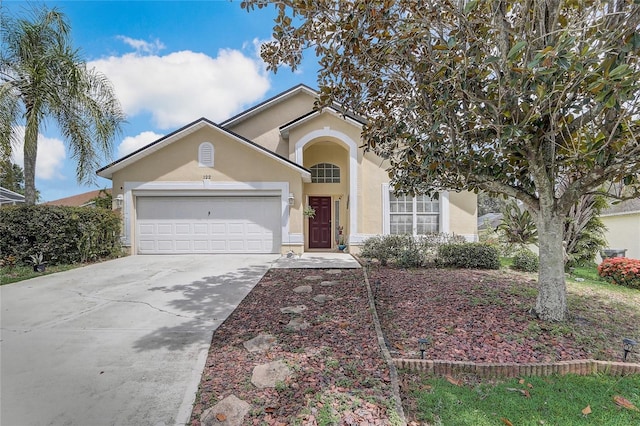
x=320 y=224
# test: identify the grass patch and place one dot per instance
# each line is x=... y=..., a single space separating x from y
x=554 y=400
x=21 y=273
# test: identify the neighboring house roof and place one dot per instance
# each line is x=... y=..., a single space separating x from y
x=489 y=220
x=625 y=207
x=108 y=170
x=78 y=200
x=9 y=197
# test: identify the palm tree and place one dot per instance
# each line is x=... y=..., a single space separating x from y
x=42 y=76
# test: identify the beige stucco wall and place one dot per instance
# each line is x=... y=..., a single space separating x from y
x=463 y=213
x=263 y=127
x=623 y=232
x=233 y=162
x=369 y=175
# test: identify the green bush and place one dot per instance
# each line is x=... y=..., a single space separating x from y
x=62 y=234
x=383 y=247
x=469 y=255
x=525 y=260
x=406 y=251
x=410 y=255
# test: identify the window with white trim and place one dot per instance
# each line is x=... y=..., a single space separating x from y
x=417 y=215
x=205 y=155
x=325 y=173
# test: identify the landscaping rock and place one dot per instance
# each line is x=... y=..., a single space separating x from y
x=297 y=324
x=322 y=298
x=267 y=375
x=334 y=271
x=293 y=309
x=260 y=343
x=303 y=289
x=313 y=277
x=328 y=283
x=229 y=412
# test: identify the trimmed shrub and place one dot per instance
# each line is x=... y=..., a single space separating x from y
x=469 y=255
x=525 y=260
x=383 y=247
x=621 y=271
x=61 y=234
x=406 y=251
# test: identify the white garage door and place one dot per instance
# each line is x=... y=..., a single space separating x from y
x=208 y=225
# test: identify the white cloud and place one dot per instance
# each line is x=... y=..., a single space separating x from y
x=132 y=143
x=50 y=158
x=181 y=87
x=142 y=46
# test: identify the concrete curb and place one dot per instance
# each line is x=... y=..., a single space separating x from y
x=393 y=372
x=491 y=370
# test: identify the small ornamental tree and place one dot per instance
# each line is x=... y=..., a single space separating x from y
x=508 y=97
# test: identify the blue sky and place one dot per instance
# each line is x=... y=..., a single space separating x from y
x=171 y=62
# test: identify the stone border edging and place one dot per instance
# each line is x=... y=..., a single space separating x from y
x=491 y=370
x=393 y=373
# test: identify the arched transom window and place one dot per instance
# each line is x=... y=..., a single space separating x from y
x=325 y=173
x=205 y=155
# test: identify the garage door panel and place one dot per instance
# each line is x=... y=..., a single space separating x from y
x=182 y=229
x=201 y=229
x=164 y=229
x=208 y=224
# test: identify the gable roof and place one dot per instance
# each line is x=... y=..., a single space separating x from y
x=268 y=103
x=78 y=200
x=358 y=121
x=9 y=197
x=108 y=170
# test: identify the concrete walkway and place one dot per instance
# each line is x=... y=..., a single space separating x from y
x=122 y=342
x=317 y=260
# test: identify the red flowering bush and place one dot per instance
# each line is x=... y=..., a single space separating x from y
x=621 y=271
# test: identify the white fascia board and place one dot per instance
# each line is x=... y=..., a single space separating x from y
x=285 y=130
x=108 y=173
x=261 y=107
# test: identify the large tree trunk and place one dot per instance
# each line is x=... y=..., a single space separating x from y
x=551 y=304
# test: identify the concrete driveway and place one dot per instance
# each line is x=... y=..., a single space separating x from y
x=117 y=343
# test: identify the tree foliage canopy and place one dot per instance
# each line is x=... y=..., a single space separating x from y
x=510 y=97
x=505 y=96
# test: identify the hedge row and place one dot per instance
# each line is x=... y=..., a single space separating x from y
x=440 y=249
x=469 y=255
x=62 y=234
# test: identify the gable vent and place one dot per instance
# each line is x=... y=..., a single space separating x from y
x=205 y=155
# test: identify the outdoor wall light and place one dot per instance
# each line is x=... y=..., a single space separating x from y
x=422 y=345
x=291 y=199
x=119 y=201
x=627 y=346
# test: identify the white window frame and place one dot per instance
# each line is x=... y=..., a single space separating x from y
x=326 y=167
x=443 y=220
x=202 y=160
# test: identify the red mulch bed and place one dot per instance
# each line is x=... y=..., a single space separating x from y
x=338 y=356
x=468 y=315
x=485 y=316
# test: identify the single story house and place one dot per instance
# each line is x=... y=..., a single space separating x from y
x=10 y=198
x=242 y=186
x=623 y=227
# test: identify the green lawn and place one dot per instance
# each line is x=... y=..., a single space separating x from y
x=21 y=273
x=554 y=400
